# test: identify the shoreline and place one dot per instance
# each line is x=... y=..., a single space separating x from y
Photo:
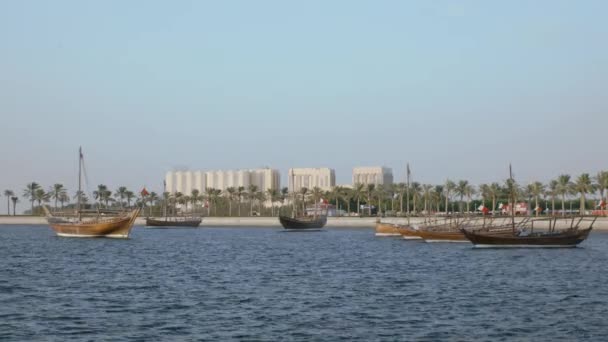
x=332 y=222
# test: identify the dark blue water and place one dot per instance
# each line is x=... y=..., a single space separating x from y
x=265 y=284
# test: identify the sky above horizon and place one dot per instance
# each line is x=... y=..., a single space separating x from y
x=459 y=89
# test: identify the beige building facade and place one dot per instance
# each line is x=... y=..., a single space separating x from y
x=186 y=181
x=323 y=177
x=378 y=175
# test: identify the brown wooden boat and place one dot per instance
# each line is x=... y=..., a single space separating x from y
x=304 y=222
x=387 y=229
x=408 y=233
x=568 y=238
x=441 y=236
x=442 y=229
x=525 y=236
x=538 y=232
x=112 y=227
x=106 y=223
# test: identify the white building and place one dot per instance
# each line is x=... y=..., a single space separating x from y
x=186 y=181
x=324 y=178
x=372 y=175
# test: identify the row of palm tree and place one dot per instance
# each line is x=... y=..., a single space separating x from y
x=11 y=198
x=397 y=198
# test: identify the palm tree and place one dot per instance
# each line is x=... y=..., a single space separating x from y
x=563 y=188
x=335 y=194
x=240 y=193
x=253 y=194
x=370 y=193
x=8 y=194
x=284 y=194
x=181 y=200
x=461 y=190
x=357 y=193
x=129 y=195
x=415 y=190
x=448 y=187
x=121 y=193
x=303 y=191
x=166 y=201
x=41 y=196
x=400 y=188
x=512 y=190
x=152 y=198
x=426 y=190
x=484 y=192
x=316 y=193
x=215 y=195
x=553 y=185
x=380 y=194
x=391 y=193
x=195 y=197
x=100 y=193
x=30 y=192
x=536 y=190
x=437 y=193
x=583 y=185
x=14 y=199
x=230 y=193
x=469 y=192
x=107 y=197
x=63 y=198
x=55 y=192
x=273 y=196
x=602 y=184
x=347 y=195
x=493 y=192
x=176 y=199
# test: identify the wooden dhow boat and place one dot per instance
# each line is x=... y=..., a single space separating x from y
x=96 y=226
x=387 y=229
x=443 y=229
x=537 y=233
x=549 y=232
x=190 y=222
x=92 y=223
x=304 y=222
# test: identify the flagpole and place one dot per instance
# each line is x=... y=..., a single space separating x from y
x=407 y=192
x=512 y=198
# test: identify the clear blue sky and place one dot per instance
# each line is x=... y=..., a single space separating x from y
x=456 y=88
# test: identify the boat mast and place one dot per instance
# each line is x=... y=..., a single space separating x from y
x=293 y=185
x=79 y=182
x=407 y=192
x=512 y=185
x=165 y=198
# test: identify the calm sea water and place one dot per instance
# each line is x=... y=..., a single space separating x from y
x=265 y=284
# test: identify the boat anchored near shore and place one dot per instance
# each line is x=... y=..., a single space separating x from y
x=91 y=223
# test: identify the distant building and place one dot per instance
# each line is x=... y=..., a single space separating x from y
x=378 y=175
x=324 y=178
x=186 y=181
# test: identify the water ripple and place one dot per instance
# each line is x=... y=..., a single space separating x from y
x=262 y=284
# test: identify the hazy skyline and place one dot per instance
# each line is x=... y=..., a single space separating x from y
x=459 y=89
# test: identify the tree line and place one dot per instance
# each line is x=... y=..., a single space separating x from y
x=394 y=199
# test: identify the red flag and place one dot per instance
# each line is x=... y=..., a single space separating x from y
x=144 y=192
